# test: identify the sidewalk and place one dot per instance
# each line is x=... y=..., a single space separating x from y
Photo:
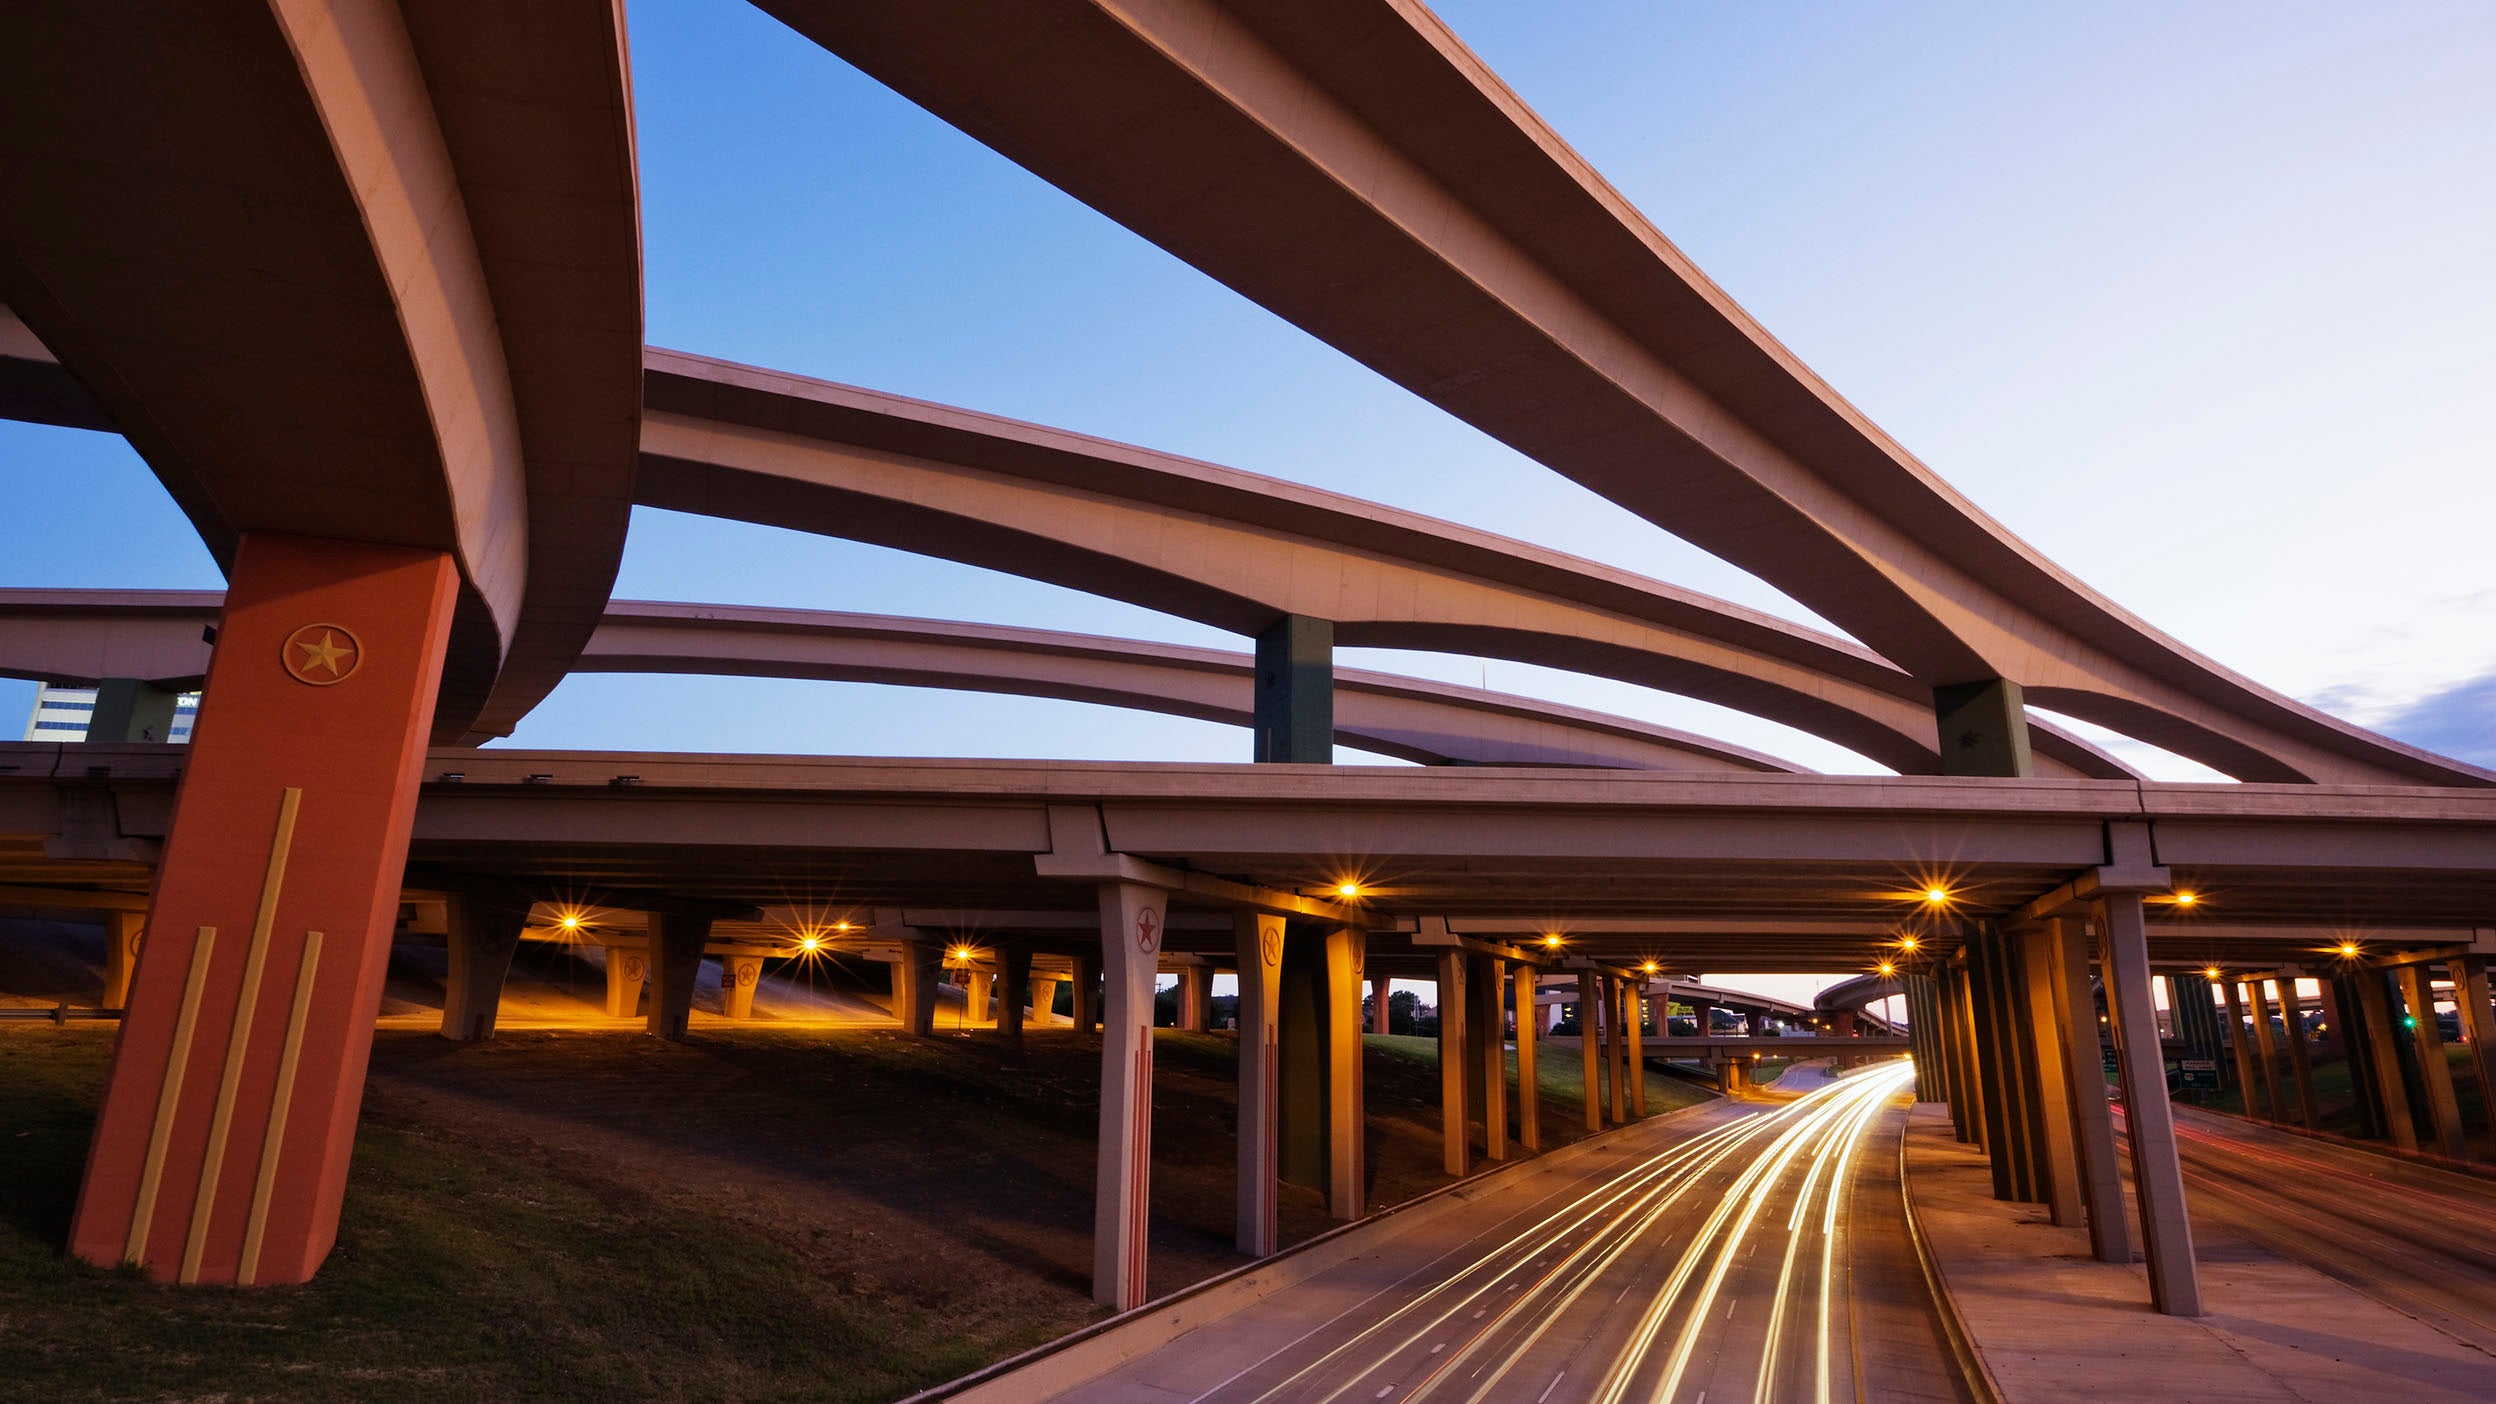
x=2052 y=1323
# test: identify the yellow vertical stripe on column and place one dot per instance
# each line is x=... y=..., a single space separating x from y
x=152 y=1170
x=275 y=1139
x=203 y=1207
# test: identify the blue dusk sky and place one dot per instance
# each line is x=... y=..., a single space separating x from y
x=2195 y=298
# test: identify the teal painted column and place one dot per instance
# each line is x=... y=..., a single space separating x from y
x=1295 y=697
x=1982 y=728
x=128 y=709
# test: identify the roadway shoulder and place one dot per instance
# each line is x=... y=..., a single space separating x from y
x=2046 y=1321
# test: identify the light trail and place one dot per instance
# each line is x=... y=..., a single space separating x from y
x=1541 y=1313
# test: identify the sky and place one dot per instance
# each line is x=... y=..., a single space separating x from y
x=2194 y=298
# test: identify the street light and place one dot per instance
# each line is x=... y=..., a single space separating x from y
x=1347 y=890
x=1935 y=896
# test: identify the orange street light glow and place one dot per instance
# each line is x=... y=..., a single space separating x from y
x=571 y=921
x=961 y=953
x=1552 y=939
x=1347 y=889
x=810 y=943
x=1908 y=944
x=2186 y=899
x=843 y=926
x=1936 y=895
x=2348 y=948
x=1649 y=967
x=1886 y=969
x=2212 y=974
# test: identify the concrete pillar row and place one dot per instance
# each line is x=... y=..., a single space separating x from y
x=1043 y=1000
x=2049 y=1046
x=2478 y=1023
x=2427 y=1038
x=2149 y=1122
x=2075 y=1013
x=2383 y=1058
x=1133 y=917
x=485 y=929
x=1258 y=946
x=1085 y=975
x=975 y=993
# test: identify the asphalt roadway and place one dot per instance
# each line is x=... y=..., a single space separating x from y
x=2419 y=1239
x=1745 y=1251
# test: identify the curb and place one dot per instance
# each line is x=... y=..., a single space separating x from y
x=1963 y=1352
x=1103 y=1346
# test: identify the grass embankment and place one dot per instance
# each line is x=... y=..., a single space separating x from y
x=757 y=1214
x=1559 y=1076
x=2336 y=1098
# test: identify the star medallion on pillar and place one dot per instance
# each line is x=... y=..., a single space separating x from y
x=321 y=654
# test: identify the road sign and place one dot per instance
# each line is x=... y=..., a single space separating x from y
x=2200 y=1075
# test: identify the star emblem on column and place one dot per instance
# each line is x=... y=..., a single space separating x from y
x=322 y=654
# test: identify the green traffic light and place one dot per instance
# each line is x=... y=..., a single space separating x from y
x=2409 y=1021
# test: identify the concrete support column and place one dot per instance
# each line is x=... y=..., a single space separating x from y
x=2383 y=1059
x=1982 y=727
x=914 y=986
x=2478 y=1023
x=1132 y=920
x=1258 y=946
x=2300 y=1060
x=676 y=942
x=2157 y=1173
x=1043 y=1000
x=1195 y=997
x=1084 y=975
x=1923 y=1049
x=1616 y=1049
x=626 y=971
x=1452 y=1063
x=2240 y=1047
x=1635 y=1051
x=1703 y=1016
x=2428 y=1040
x=484 y=931
x=1963 y=1030
x=1529 y=1095
x=2266 y=1051
x=1997 y=1069
x=975 y=993
x=2052 y=1098
x=1589 y=1036
x=738 y=975
x=250 y=1012
x=1487 y=983
x=1347 y=960
x=2075 y=1012
x=131 y=709
x=1014 y=990
x=1378 y=994
x=1295 y=691
x=1730 y=1078
x=121 y=954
